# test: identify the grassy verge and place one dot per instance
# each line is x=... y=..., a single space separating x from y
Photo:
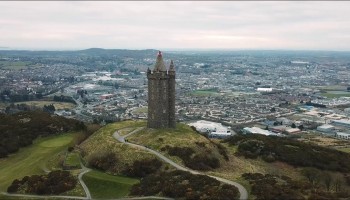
x=102 y=185
x=72 y=160
x=32 y=159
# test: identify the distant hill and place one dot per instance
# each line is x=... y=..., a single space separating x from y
x=85 y=52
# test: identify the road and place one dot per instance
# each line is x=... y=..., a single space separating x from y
x=243 y=192
x=42 y=196
x=83 y=198
x=82 y=183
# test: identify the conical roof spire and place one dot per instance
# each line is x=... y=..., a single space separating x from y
x=172 y=67
x=159 y=66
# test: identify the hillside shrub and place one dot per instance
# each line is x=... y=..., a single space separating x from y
x=184 y=185
x=142 y=168
x=200 y=161
x=56 y=182
x=293 y=152
x=105 y=161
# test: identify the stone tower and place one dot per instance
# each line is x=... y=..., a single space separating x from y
x=161 y=95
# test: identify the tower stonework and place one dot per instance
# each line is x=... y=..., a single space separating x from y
x=161 y=95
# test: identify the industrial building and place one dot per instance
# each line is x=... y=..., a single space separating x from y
x=257 y=130
x=342 y=135
x=326 y=128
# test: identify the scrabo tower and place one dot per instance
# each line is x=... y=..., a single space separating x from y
x=161 y=95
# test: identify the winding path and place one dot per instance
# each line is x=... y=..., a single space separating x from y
x=86 y=189
x=243 y=192
x=42 y=196
x=82 y=183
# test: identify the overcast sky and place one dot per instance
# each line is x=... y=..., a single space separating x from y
x=180 y=24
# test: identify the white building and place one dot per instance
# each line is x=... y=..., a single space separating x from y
x=220 y=134
x=212 y=128
x=342 y=122
x=207 y=126
x=257 y=130
x=264 y=89
x=342 y=135
x=284 y=121
x=326 y=128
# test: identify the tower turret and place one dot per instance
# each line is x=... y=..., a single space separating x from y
x=159 y=66
x=171 y=67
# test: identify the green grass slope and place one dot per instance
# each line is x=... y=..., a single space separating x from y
x=103 y=141
x=32 y=159
x=102 y=185
x=183 y=137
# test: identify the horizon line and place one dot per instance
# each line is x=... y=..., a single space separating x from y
x=169 y=49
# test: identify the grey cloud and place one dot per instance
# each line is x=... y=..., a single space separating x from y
x=163 y=24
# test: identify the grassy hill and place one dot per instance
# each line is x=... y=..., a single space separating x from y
x=213 y=157
x=182 y=137
x=232 y=169
x=182 y=144
x=102 y=142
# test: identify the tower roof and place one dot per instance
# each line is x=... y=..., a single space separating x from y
x=172 y=67
x=159 y=66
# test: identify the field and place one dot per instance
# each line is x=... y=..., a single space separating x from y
x=332 y=87
x=336 y=94
x=58 y=105
x=102 y=185
x=13 y=65
x=31 y=160
x=140 y=110
x=205 y=93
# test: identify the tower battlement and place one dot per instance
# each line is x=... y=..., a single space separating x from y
x=161 y=95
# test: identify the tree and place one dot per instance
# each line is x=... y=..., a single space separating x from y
x=312 y=174
x=338 y=184
x=348 y=88
x=327 y=180
x=293 y=125
x=301 y=127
